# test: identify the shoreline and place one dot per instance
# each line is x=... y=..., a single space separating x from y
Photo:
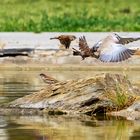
x=68 y=67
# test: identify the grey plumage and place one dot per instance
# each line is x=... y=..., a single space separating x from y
x=109 y=49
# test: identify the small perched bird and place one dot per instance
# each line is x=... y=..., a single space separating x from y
x=47 y=79
x=65 y=40
x=110 y=49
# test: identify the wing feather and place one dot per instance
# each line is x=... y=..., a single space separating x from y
x=124 y=41
x=83 y=46
x=115 y=53
x=96 y=46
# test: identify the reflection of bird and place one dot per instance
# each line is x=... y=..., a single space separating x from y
x=110 y=49
x=65 y=40
x=47 y=79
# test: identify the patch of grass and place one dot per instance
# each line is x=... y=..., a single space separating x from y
x=62 y=16
x=120 y=97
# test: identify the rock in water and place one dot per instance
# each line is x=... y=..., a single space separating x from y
x=100 y=94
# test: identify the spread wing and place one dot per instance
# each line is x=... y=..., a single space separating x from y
x=83 y=46
x=96 y=46
x=115 y=53
x=124 y=41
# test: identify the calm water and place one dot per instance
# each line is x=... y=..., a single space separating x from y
x=14 y=84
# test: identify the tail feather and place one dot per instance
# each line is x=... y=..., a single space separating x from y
x=54 y=38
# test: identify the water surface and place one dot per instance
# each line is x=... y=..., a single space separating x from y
x=67 y=128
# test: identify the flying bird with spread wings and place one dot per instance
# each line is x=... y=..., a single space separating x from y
x=85 y=51
x=65 y=40
x=109 y=49
x=48 y=79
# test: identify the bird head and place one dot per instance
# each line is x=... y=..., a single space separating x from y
x=115 y=37
x=72 y=37
x=42 y=75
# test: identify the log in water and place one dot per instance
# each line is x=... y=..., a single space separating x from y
x=100 y=94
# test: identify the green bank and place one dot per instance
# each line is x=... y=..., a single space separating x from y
x=65 y=16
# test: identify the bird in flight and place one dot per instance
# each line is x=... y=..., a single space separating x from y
x=48 y=79
x=65 y=40
x=85 y=51
x=110 y=49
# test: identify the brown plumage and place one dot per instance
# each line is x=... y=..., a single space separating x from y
x=109 y=49
x=85 y=51
x=47 y=79
x=65 y=40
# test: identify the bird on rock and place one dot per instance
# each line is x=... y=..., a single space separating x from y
x=110 y=49
x=65 y=40
x=48 y=79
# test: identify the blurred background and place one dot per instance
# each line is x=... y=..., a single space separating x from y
x=69 y=16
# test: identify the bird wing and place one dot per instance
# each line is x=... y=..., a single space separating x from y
x=96 y=46
x=83 y=46
x=115 y=53
x=124 y=41
x=48 y=79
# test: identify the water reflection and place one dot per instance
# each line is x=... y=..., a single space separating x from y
x=3 y=132
x=68 y=128
x=15 y=84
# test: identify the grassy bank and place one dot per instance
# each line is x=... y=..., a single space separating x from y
x=62 y=15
